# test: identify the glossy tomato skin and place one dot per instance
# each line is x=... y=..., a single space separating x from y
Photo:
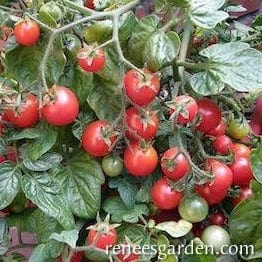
x=215 y=191
x=163 y=196
x=140 y=161
x=141 y=90
x=78 y=256
x=94 y=139
x=63 y=110
x=219 y=130
x=188 y=109
x=245 y=193
x=210 y=115
x=193 y=208
x=28 y=114
x=104 y=241
x=218 y=219
x=112 y=165
x=126 y=255
x=92 y=61
x=174 y=165
x=141 y=125
x=90 y=4
x=242 y=173
x=238 y=128
x=223 y=144
x=240 y=150
x=27 y=32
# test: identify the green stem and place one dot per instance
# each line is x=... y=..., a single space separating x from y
x=194 y=66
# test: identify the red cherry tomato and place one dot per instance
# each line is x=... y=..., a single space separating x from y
x=187 y=107
x=63 y=110
x=215 y=191
x=174 y=164
x=92 y=60
x=2 y=159
x=126 y=254
x=219 y=130
x=141 y=125
x=213 y=40
x=218 y=219
x=107 y=238
x=27 y=32
x=197 y=42
x=77 y=257
x=140 y=161
x=97 y=138
x=223 y=144
x=141 y=89
x=163 y=196
x=210 y=115
x=27 y=115
x=240 y=150
x=245 y=193
x=90 y=4
x=242 y=173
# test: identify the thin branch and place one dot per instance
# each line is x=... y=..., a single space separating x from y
x=39 y=22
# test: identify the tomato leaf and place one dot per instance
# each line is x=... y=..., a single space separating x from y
x=258 y=21
x=141 y=33
x=175 y=229
x=234 y=64
x=81 y=180
x=46 y=251
x=4 y=237
x=206 y=13
x=79 y=81
x=160 y=4
x=9 y=183
x=256 y=163
x=160 y=50
x=27 y=133
x=127 y=189
x=128 y=21
x=69 y=237
x=44 y=163
x=47 y=136
x=245 y=224
x=105 y=99
x=120 y=212
x=43 y=190
x=21 y=66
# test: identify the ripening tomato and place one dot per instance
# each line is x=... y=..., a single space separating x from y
x=27 y=114
x=141 y=124
x=238 y=128
x=218 y=219
x=140 y=160
x=141 y=89
x=216 y=190
x=197 y=41
x=174 y=165
x=62 y=106
x=90 y=4
x=106 y=239
x=213 y=40
x=97 y=138
x=164 y=196
x=210 y=115
x=112 y=165
x=240 y=150
x=245 y=193
x=26 y=32
x=126 y=254
x=223 y=144
x=187 y=107
x=77 y=256
x=241 y=169
x=219 y=130
x=2 y=159
x=91 y=59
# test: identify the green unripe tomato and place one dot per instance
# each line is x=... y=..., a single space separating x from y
x=238 y=128
x=72 y=45
x=193 y=209
x=51 y=9
x=216 y=236
x=112 y=165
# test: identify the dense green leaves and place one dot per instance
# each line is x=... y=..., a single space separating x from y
x=25 y=70
x=69 y=237
x=10 y=176
x=160 y=50
x=234 y=64
x=256 y=163
x=81 y=180
x=246 y=226
x=141 y=33
x=120 y=212
x=46 y=192
x=206 y=13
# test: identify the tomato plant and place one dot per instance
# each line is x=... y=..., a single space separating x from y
x=135 y=122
